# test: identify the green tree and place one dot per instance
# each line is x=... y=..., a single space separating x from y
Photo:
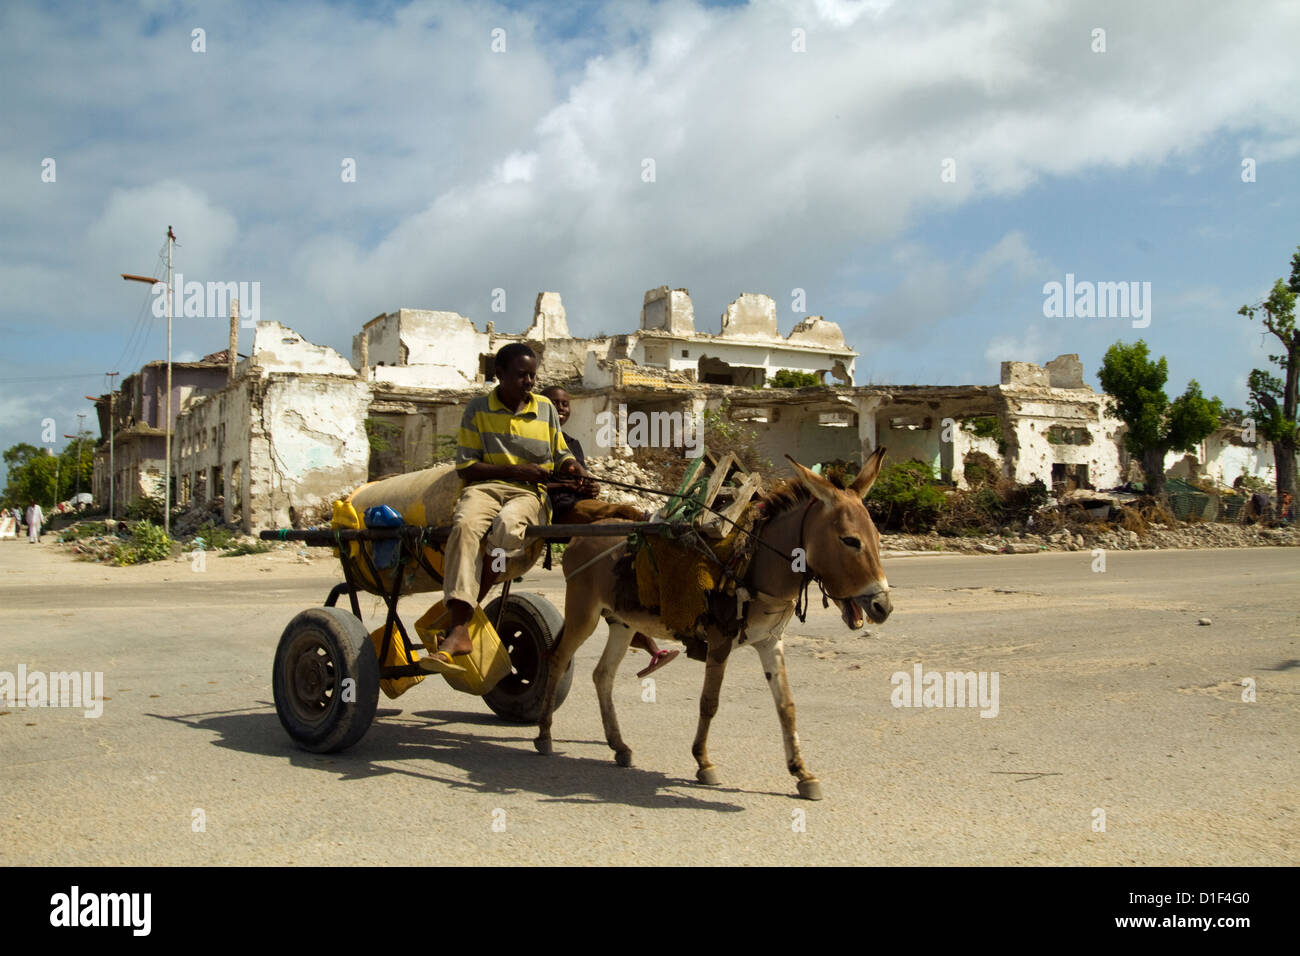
x=1135 y=389
x=47 y=479
x=30 y=476
x=1273 y=399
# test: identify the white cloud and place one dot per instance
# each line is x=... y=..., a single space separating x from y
x=518 y=167
x=524 y=170
x=1036 y=343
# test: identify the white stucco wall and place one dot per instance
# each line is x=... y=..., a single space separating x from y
x=1224 y=461
x=1035 y=455
x=278 y=348
x=213 y=432
x=765 y=355
x=423 y=348
x=312 y=444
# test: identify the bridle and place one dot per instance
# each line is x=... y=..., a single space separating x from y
x=801 y=599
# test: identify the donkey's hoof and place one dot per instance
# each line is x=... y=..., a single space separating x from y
x=623 y=758
x=544 y=746
x=708 y=775
x=810 y=789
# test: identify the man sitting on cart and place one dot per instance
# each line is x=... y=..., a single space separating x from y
x=509 y=446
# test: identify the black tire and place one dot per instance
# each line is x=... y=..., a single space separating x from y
x=320 y=649
x=529 y=629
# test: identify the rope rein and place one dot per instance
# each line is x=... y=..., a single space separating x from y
x=673 y=494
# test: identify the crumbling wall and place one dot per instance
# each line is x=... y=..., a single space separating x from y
x=1224 y=457
x=750 y=316
x=964 y=443
x=278 y=348
x=1024 y=374
x=1065 y=371
x=308 y=445
x=1032 y=454
x=668 y=309
x=549 y=320
x=564 y=360
x=917 y=437
x=827 y=442
x=446 y=345
x=422 y=348
x=815 y=330
x=585 y=424
x=383 y=342
x=213 y=438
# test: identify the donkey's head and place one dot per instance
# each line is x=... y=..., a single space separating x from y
x=841 y=544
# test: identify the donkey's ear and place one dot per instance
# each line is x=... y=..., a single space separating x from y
x=822 y=489
x=867 y=476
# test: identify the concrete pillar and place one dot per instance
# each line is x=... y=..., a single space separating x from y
x=234 y=340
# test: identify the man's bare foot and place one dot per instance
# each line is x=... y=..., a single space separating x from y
x=457 y=641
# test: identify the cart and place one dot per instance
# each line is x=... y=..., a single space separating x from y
x=326 y=677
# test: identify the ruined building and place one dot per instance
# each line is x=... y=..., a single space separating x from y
x=282 y=432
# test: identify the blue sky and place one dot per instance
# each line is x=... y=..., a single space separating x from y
x=796 y=145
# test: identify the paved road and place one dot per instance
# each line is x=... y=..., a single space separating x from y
x=1111 y=698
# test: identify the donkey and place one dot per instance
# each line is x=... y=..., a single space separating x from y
x=840 y=548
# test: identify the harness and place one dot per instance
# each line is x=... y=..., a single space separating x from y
x=738 y=565
x=801 y=600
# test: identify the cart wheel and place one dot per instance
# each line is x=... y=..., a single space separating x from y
x=321 y=649
x=528 y=631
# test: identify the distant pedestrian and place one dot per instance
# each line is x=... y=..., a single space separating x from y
x=34 y=518
x=1257 y=508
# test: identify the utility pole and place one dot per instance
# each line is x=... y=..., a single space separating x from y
x=77 y=473
x=167 y=424
x=81 y=424
x=112 y=427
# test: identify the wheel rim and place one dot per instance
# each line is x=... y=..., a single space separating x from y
x=525 y=662
x=310 y=677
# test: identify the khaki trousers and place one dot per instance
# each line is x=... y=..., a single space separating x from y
x=489 y=515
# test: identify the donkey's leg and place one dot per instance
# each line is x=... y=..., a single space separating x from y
x=620 y=638
x=580 y=617
x=715 y=666
x=771 y=652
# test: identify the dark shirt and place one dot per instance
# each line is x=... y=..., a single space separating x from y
x=562 y=501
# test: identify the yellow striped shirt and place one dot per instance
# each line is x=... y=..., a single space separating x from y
x=494 y=435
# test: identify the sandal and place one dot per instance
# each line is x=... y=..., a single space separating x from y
x=440 y=662
x=658 y=661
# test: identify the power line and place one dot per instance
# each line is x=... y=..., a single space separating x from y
x=140 y=331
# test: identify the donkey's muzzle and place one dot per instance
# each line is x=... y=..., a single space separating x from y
x=874 y=605
x=877 y=606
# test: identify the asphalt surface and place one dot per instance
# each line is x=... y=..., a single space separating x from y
x=1111 y=698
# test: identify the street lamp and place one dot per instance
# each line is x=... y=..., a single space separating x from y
x=167 y=422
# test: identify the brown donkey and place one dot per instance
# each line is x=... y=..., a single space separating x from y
x=840 y=548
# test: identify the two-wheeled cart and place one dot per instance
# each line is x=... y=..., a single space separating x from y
x=327 y=670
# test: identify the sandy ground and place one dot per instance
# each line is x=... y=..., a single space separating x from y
x=1112 y=700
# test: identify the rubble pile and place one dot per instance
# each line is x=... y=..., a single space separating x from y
x=1183 y=535
x=100 y=544
x=621 y=469
x=196 y=516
